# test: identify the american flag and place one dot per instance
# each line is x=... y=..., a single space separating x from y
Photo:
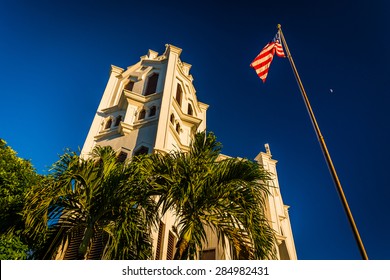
x=263 y=61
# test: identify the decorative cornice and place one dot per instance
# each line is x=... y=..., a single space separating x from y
x=125 y=128
x=152 y=54
x=265 y=156
x=117 y=70
x=203 y=106
x=280 y=238
x=110 y=109
x=130 y=95
x=184 y=117
x=172 y=48
x=106 y=133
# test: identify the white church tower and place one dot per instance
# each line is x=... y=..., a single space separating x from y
x=152 y=106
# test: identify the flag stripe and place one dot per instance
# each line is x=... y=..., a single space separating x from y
x=264 y=55
x=279 y=50
x=263 y=61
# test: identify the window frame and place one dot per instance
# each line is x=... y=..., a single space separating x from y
x=151 y=84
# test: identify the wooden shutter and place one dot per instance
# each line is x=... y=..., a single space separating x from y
x=99 y=242
x=74 y=244
x=171 y=246
x=207 y=254
x=160 y=238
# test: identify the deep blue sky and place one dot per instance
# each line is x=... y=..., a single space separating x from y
x=55 y=58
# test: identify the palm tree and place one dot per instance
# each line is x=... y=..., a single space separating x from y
x=92 y=198
x=227 y=195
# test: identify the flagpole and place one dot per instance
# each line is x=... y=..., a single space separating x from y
x=325 y=150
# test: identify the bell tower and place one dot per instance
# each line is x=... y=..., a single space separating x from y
x=152 y=105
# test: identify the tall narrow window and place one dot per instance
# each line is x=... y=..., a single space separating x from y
x=129 y=85
x=118 y=120
x=152 y=111
x=108 y=124
x=179 y=93
x=189 y=110
x=178 y=128
x=283 y=252
x=142 y=114
x=122 y=157
x=172 y=119
x=151 y=85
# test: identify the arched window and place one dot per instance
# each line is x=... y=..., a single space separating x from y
x=189 y=110
x=141 y=151
x=178 y=128
x=179 y=93
x=172 y=119
x=108 y=124
x=152 y=111
x=142 y=114
x=151 y=85
x=118 y=120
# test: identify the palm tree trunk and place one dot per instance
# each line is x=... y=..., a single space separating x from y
x=182 y=248
x=88 y=234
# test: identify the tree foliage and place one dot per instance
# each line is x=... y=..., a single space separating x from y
x=122 y=202
x=98 y=195
x=12 y=247
x=224 y=194
x=17 y=176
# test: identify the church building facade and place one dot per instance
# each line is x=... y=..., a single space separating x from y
x=152 y=106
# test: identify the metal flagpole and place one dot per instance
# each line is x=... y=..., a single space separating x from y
x=325 y=150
